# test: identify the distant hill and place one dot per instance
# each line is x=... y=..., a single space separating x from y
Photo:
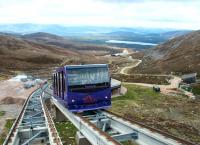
x=58 y=41
x=180 y=54
x=42 y=50
x=63 y=30
x=97 y=35
x=147 y=37
x=173 y=34
x=18 y=54
x=42 y=35
x=155 y=38
x=133 y=36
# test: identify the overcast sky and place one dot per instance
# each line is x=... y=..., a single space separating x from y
x=184 y=14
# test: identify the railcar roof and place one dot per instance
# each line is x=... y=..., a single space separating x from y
x=80 y=66
x=86 y=66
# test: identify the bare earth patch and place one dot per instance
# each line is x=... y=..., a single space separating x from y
x=13 y=92
x=12 y=97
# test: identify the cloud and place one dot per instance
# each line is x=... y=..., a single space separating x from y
x=121 y=1
x=125 y=13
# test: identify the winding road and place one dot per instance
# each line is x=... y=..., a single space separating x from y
x=165 y=89
x=125 y=69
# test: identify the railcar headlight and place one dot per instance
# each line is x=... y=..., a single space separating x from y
x=73 y=100
x=106 y=97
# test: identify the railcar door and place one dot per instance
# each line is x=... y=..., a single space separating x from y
x=63 y=85
x=54 y=84
x=59 y=86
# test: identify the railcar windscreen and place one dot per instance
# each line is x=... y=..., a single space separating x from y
x=86 y=76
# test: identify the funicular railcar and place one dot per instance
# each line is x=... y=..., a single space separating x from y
x=83 y=87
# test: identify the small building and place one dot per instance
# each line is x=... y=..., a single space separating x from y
x=156 y=89
x=115 y=86
x=189 y=78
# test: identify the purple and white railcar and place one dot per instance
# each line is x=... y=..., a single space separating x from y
x=83 y=87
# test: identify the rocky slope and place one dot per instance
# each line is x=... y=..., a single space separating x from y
x=180 y=54
x=19 y=54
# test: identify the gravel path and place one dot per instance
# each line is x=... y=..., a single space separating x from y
x=165 y=89
x=136 y=62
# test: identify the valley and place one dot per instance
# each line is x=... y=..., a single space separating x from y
x=106 y=72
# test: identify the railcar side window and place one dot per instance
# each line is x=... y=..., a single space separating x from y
x=58 y=84
x=56 y=81
x=63 y=85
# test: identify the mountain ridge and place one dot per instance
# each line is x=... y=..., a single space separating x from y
x=180 y=54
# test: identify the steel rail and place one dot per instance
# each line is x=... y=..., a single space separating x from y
x=51 y=126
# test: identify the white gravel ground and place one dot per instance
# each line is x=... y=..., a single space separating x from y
x=11 y=111
x=12 y=94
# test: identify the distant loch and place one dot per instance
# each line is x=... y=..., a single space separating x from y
x=129 y=42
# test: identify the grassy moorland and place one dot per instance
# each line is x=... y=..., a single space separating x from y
x=196 y=89
x=160 y=80
x=67 y=132
x=177 y=115
x=2 y=113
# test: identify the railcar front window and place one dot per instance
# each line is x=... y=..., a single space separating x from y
x=87 y=76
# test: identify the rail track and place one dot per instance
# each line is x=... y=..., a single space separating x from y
x=34 y=124
x=99 y=127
